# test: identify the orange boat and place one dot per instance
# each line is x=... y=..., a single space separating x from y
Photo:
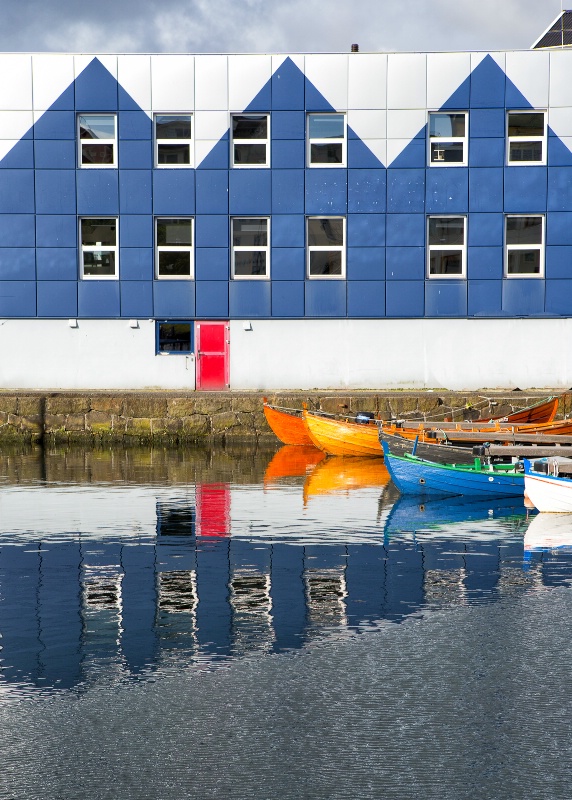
x=344 y=475
x=472 y=433
x=340 y=437
x=292 y=461
x=545 y=411
x=287 y=424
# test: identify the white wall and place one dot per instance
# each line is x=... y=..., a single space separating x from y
x=451 y=354
x=98 y=354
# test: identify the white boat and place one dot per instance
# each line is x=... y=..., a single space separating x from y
x=547 y=484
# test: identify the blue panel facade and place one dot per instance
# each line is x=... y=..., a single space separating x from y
x=43 y=195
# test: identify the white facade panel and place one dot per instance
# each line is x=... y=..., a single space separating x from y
x=98 y=354
x=395 y=147
x=329 y=74
x=367 y=80
x=173 y=83
x=378 y=147
x=202 y=149
x=560 y=83
x=445 y=73
x=14 y=124
x=529 y=71
x=407 y=80
x=211 y=124
x=52 y=74
x=368 y=124
x=455 y=354
x=405 y=124
x=246 y=77
x=16 y=92
x=211 y=83
x=560 y=120
x=134 y=75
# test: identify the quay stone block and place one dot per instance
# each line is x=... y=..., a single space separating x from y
x=8 y=404
x=211 y=405
x=67 y=404
x=54 y=422
x=30 y=406
x=138 y=426
x=336 y=405
x=32 y=424
x=241 y=404
x=222 y=423
x=181 y=407
x=75 y=422
x=145 y=407
x=108 y=404
x=195 y=426
x=98 y=422
x=166 y=426
x=118 y=424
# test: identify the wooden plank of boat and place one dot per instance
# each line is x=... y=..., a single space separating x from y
x=433 y=451
x=287 y=424
x=507 y=437
x=339 y=437
x=528 y=450
x=417 y=476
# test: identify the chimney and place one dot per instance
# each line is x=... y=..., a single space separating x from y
x=355 y=48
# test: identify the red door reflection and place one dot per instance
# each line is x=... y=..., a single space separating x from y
x=213 y=509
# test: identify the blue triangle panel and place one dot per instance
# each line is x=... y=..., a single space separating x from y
x=96 y=89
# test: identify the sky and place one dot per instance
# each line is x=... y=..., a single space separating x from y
x=199 y=26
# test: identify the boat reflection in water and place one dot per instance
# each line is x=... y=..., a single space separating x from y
x=116 y=566
x=292 y=461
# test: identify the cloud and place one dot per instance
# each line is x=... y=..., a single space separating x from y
x=273 y=25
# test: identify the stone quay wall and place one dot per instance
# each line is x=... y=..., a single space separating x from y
x=177 y=417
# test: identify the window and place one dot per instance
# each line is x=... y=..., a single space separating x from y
x=250 y=250
x=526 y=137
x=175 y=336
x=524 y=237
x=326 y=140
x=326 y=247
x=446 y=247
x=173 y=140
x=174 y=248
x=99 y=248
x=97 y=140
x=250 y=140
x=448 y=139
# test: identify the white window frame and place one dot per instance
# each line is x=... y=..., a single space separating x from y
x=265 y=142
x=81 y=142
x=102 y=248
x=543 y=138
x=464 y=140
x=167 y=248
x=249 y=249
x=451 y=247
x=325 y=248
x=512 y=247
x=316 y=140
x=159 y=141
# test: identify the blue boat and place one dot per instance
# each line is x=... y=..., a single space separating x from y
x=413 y=475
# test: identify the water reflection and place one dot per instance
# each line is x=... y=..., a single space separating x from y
x=118 y=564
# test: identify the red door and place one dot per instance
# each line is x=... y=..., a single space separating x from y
x=212 y=341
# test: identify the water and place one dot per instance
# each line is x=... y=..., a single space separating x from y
x=256 y=624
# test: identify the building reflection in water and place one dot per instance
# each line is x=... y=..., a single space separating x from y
x=99 y=580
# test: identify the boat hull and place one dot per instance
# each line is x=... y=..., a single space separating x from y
x=342 y=438
x=288 y=426
x=432 y=451
x=549 y=492
x=426 y=478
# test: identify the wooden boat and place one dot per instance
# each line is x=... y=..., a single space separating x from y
x=544 y=411
x=340 y=437
x=292 y=461
x=468 y=433
x=344 y=475
x=413 y=475
x=288 y=424
x=546 y=487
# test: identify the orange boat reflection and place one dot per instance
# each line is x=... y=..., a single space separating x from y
x=292 y=461
x=345 y=474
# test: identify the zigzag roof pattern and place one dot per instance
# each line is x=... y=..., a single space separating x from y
x=381 y=93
